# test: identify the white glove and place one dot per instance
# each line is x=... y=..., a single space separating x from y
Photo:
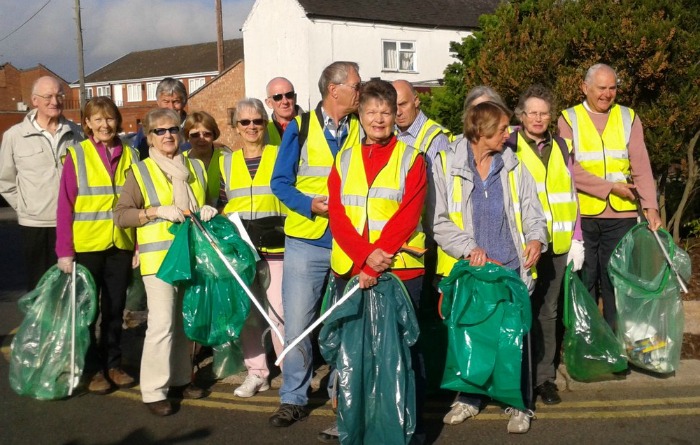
x=65 y=264
x=206 y=213
x=576 y=255
x=171 y=213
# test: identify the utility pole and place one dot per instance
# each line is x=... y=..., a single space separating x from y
x=219 y=38
x=81 y=62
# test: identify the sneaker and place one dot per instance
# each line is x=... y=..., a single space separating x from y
x=99 y=384
x=287 y=414
x=330 y=434
x=459 y=413
x=549 y=393
x=519 y=420
x=120 y=378
x=253 y=383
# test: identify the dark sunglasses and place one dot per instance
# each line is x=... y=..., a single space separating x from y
x=201 y=134
x=246 y=122
x=161 y=131
x=289 y=95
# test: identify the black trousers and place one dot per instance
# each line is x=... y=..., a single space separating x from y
x=38 y=247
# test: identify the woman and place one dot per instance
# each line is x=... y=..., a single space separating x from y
x=93 y=174
x=155 y=194
x=549 y=160
x=247 y=173
x=485 y=223
x=201 y=131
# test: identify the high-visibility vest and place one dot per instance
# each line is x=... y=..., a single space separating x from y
x=93 y=224
x=555 y=191
x=428 y=132
x=213 y=175
x=154 y=238
x=374 y=205
x=273 y=135
x=605 y=156
x=252 y=198
x=315 y=163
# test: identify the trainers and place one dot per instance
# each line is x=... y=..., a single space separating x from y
x=120 y=379
x=287 y=414
x=519 y=420
x=459 y=413
x=253 y=383
x=330 y=434
x=549 y=393
x=99 y=384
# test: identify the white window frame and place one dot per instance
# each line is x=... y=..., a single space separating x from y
x=195 y=84
x=88 y=93
x=151 y=88
x=104 y=90
x=401 y=47
x=133 y=92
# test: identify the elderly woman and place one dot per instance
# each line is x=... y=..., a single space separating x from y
x=85 y=232
x=247 y=173
x=155 y=194
x=489 y=221
x=201 y=131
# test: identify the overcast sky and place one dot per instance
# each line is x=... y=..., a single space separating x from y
x=111 y=29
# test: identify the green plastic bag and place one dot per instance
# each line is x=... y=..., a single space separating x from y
x=591 y=350
x=40 y=357
x=487 y=313
x=228 y=359
x=647 y=295
x=214 y=306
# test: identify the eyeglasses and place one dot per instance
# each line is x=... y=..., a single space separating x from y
x=47 y=98
x=246 y=122
x=536 y=114
x=289 y=95
x=355 y=87
x=162 y=131
x=201 y=134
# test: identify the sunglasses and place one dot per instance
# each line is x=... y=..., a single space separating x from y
x=201 y=134
x=162 y=131
x=289 y=95
x=246 y=122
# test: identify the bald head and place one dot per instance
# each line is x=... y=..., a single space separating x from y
x=282 y=99
x=407 y=104
x=47 y=98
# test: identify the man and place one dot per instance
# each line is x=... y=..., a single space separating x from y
x=609 y=145
x=299 y=180
x=282 y=98
x=30 y=169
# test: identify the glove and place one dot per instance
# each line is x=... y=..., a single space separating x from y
x=170 y=213
x=576 y=255
x=206 y=213
x=65 y=264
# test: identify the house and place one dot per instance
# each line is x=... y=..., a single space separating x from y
x=391 y=39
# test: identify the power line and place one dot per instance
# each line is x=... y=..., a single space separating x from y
x=26 y=21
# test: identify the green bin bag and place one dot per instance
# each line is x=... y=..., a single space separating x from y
x=647 y=295
x=214 y=306
x=228 y=359
x=40 y=357
x=487 y=313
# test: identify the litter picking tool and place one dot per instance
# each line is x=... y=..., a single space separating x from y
x=315 y=324
x=73 y=295
x=238 y=278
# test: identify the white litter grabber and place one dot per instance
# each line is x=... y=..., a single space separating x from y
x=74 y=378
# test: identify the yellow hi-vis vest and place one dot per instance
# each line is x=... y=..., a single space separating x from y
x=273 y=136
x=555 y=191
x=374 y=205
x=213 y=175
x=315 y=163
x=445 y=262
x=427 y=134
x=153 y=237
x=93 y=224
x=252 y=198
x=605 y=156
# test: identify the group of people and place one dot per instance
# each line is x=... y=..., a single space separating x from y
x=363 y=184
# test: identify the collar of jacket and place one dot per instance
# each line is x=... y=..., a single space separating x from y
x=28 y=129
x=460 y=159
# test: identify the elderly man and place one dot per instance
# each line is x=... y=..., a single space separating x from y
x=30 y=170
x=299 y=180
x=609 y=145
x=282 y=99
x=170 y=93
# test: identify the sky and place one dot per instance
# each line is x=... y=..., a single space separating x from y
x=111 y=29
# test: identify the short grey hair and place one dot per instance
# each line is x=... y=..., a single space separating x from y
x=597 y=67
x=336 y=72
x=250 y=103
x=536 y=91
x=155 y=115
x=172 y=86
x=480 y=91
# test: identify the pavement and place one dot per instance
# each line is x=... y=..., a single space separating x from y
x=7 y=215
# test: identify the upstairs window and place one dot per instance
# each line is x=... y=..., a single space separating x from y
x=133 y=92
x=399 y=56
x=196 y=84
x=104 y=91
x=151 y=90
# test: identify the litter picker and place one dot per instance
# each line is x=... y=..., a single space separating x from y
x=73 y=295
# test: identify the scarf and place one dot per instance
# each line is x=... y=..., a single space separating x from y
x=177 y=173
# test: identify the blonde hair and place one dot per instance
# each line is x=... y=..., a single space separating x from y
x=482 y=120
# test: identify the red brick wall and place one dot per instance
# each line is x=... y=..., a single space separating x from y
x=10 y=88
x=8 y=119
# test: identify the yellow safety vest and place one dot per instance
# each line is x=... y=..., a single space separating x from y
x=93 y=224
x=213 y=175
x=273 y=135
x=605 y=156
x=555 y=191
x=154 y=238
x=428 y=133
x=374 y=205
x=315 y=163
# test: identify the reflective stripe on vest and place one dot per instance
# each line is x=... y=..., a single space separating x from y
x=427 y=134
x=374 y=205
x=315 y=162
x=154 y=238
x=93 y=225
x=605 y=156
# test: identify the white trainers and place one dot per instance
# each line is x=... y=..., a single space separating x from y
x=251 y=385
x=519 y=420
x=459 y=413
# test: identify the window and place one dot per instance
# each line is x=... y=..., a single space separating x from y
x=399 y=56
x=104 y=91
x=133 y=92
x=88 y=93
x=196 y=84
x=151 y=90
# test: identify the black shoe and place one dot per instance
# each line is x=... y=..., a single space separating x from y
x=287 y=414
x=190 y=391
x=548 y=393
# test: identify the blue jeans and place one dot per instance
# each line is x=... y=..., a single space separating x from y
x=306 y=268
